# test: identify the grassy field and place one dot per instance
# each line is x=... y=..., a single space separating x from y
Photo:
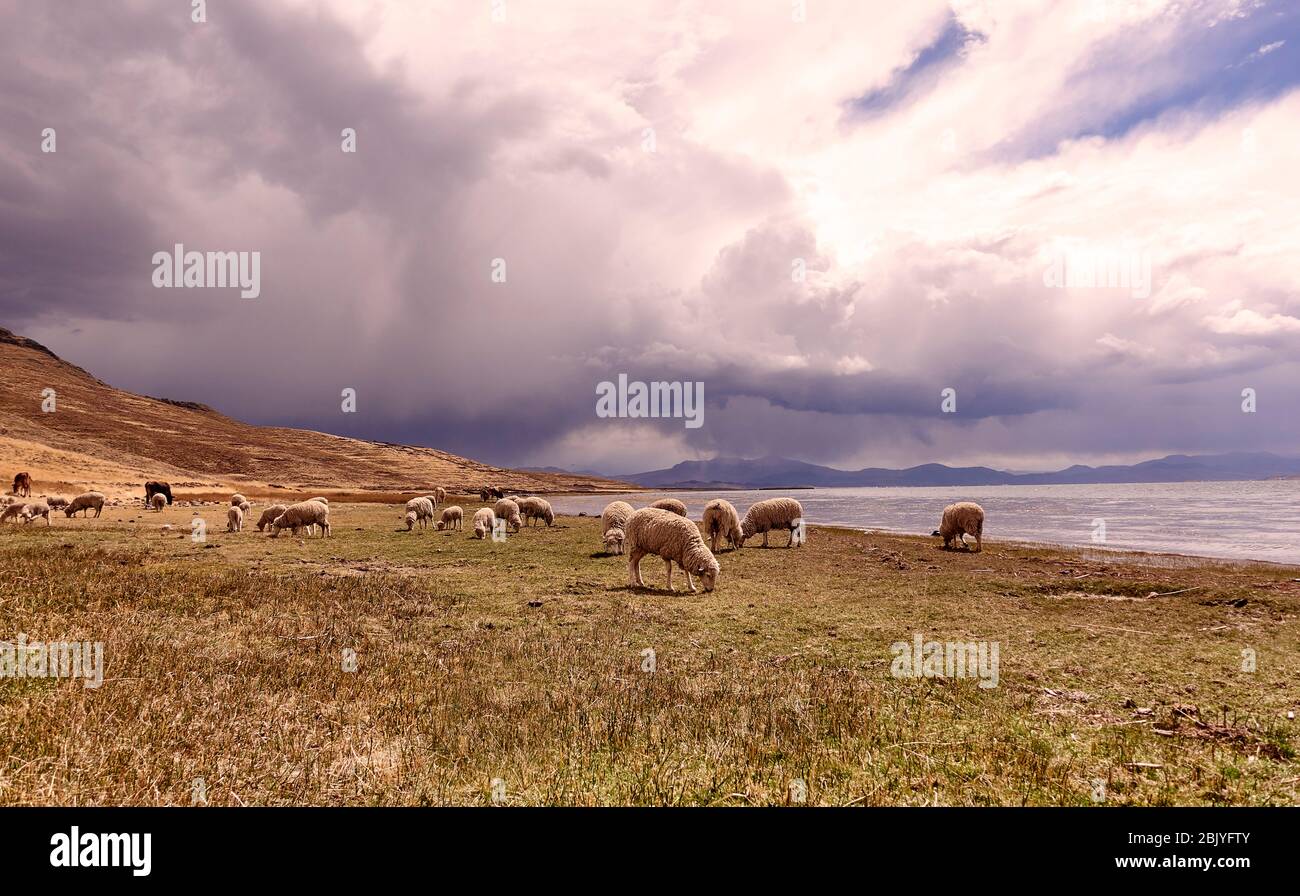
x=524 y=662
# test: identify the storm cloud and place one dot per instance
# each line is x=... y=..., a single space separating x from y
x=828 y=221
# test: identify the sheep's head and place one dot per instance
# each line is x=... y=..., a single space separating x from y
x=441 y=525
x=748 y=529
x=410 y=520
x=935 y=532
x=708 y=574
x=614 y=538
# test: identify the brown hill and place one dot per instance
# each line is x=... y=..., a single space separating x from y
x=103 y=437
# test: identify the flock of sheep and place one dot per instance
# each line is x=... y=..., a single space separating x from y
x=662 y=529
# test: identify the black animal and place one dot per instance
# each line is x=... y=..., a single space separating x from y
x=152 y=488
x=23 y=485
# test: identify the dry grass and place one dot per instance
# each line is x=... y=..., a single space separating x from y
x=522 y=661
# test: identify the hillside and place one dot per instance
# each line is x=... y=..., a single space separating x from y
x=114 y=440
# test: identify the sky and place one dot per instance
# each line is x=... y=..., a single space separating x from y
x=828 y=213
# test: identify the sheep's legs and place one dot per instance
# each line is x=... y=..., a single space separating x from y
x=670 y=574
x=764 y=539
x=690 y=582
x=634 y=569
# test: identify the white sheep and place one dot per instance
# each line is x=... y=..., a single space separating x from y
x=537 y=509
x=652 y=530
x=484 y=518
x=237 y=500
x=961 y=519
x=613 y=524
x=441 y=494
x=418 y=510
x=87 y=502
x=34 y=509
x=722 y=521
x=158 y=501
x=301 y=515
x=56 y=502
x=506 y=509
x=672 y=505
x=12 y=510
x=774 y=513
x=269 y=515
x=235 y=519
x=453 y=517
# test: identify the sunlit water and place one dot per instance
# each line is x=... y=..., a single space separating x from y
x=1239 y=520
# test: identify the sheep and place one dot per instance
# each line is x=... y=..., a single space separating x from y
x=672 y=505
x=12 y=511
x=961 y=519
x=325 y=501
x=418 y=510
x=34 y=509
x=509 y=511
x=613 y=522
x=722 y=521
x=158 y=501
x=153 y=487
x=87 y=502
x=238 y=500
x=441 y=494
x=235 y=519
x=56 y=502
x=652 y=530
x=774 y=513
x=269 y=515
x=453 y=517
x=537 y=509
x=483 y=520
x=23 y=485
x=303 y=514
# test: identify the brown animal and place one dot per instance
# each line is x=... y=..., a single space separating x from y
x=23 y=485
x=153 y=487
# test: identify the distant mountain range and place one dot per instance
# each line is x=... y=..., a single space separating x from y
x=781 y=472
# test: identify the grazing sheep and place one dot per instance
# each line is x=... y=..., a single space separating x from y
x=12 y=511
x=722 y=521
x=652 y=530
x=453 y=517
x=672 y=505
x=961 y=519
x=269 y=515
x=153 y=487
x=537 y=509
x=613 y=523
x=238 y=500
x=483 y=520
x=774 y=513
x=509 y=511
x=418 y=510
x=304 y=514
x=57 y=502
x=235 y=519
x=23 y=485
x=87 y=502
x=158 y=501
x=34 y=509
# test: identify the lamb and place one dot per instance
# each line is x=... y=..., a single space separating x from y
x=672 y=505
x=774 y=513
x=303 y=514
x=483 y=520
x=57 y=502
x=722 y=521
x=537 y=509
x=34 y=509
x=269 y=515
x=418 y=510
x=509 y=511
x=961 y=519
x=652 y=530
x=613 y=524
x=158 y=501
x=87 y=502
x=235 y=519
x=153 y=487
x=453 y=517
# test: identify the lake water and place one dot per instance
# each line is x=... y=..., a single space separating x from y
x=1238 y=520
